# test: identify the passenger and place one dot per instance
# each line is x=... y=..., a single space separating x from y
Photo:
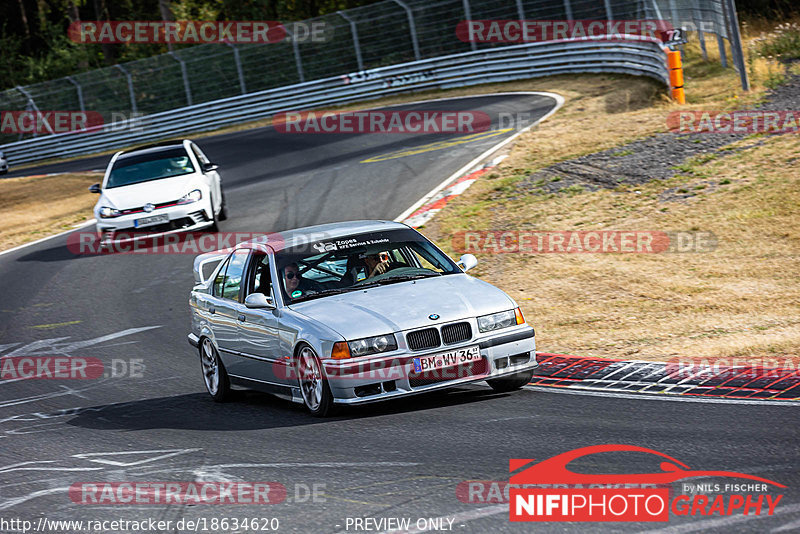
x=376 y=264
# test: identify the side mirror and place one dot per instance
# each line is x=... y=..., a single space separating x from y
x=467 y=262
x=208 y=167
x=259 y=300
x=94 y=188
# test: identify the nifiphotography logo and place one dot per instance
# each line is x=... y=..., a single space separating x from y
x=550 y=491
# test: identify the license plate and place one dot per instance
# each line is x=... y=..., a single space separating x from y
x=446 y=359
x=148 y=221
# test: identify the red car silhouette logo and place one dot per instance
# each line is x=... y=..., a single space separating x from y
x=554 y=470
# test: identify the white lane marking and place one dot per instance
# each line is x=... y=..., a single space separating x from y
x=23 y=498
x=102 y=457
x=64 y=391
x=462 y=517
x=468 y=167
x=705 y=524
x=793 y=525
x=284 y=465
x=572 y=390
x=25 y=245
x=55 y=346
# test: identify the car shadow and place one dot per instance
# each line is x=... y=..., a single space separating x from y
x=250 y=410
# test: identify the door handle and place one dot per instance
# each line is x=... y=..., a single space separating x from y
x=241 y=317
x=212 y=310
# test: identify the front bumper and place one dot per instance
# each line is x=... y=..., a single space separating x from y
x=183 y=218
x=371 y=380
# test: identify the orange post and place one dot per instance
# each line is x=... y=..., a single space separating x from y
x=675 y=66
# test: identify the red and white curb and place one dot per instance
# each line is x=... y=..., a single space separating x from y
x=438 y=201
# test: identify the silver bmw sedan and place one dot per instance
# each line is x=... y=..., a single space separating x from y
x=352 y=313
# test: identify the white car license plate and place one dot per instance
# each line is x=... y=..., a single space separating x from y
x=446 y=359
x=149 y=221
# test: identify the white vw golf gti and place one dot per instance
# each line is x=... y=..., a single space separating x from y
x=162 y=188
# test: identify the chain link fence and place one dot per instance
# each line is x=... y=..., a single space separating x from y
x=381 y=34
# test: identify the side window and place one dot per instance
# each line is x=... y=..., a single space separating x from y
x=219 y=281
x=261 y=278
x=233 y=275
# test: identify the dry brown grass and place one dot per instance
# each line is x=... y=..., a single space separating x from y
x=742 y=300
x=35 y=207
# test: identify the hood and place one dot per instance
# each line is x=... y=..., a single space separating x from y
x=405 y=305
x=154 y=192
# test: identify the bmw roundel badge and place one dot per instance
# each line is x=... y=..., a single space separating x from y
x=433 y=317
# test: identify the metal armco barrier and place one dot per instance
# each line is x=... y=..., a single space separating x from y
x=501 y=64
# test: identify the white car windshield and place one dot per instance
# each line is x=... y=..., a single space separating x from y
x=350 y=263
x=138 y=168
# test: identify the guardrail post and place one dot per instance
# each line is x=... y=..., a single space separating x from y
x=568 y=10
x=413 y=27
x=698 y=22
x=735 y=38
x=723 y=55
x=79 y=90
x=238 y=67
x=356 y=44
x=185 y=77
x=673 y=9
x=130 y=86
x=609 y=13
x=468 y=16
x=520 y=10
x=32 y=105
x=297 y=61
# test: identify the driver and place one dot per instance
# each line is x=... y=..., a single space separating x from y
x=179 y=165
x=293 y=282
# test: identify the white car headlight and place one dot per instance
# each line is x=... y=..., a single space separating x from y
x=107 y=213
x=193 y=196
x=372 y=345
x=496 y=321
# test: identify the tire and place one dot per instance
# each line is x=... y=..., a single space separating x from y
x=223 y=209
x=215 y=376
x=314 y=386
x=511 y=382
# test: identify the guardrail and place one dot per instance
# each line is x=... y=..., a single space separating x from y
x=636 y=56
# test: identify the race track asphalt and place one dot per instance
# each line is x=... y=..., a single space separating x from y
x=399 y=459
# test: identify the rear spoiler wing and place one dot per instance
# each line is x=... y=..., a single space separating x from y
x=204 y=265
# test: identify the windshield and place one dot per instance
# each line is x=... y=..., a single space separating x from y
x=351 y=263
x=152 y=166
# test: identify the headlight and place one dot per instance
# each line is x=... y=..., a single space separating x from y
x=372 y=345
x=496 y=321
x=188 y=198
x=107 y=213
